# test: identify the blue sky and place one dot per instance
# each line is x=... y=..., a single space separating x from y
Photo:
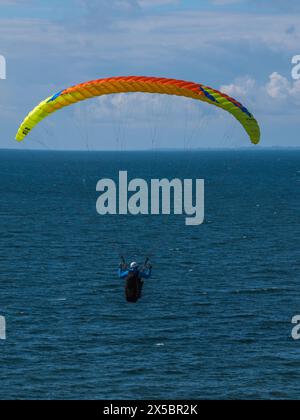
x=240 y=46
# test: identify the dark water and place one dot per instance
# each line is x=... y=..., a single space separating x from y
x=215 y=319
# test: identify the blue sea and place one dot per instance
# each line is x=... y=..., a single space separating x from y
x=215 y=319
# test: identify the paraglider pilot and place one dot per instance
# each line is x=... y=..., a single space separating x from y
x=133 y=277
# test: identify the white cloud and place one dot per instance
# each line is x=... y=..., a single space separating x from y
x=277 y=96
x=279 y=87
x=141 y=108
x=150 y=37
x=240 y=88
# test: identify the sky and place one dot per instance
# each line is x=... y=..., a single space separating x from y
x=243 y=47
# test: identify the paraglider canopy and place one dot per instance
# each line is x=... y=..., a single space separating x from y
x=129 y=84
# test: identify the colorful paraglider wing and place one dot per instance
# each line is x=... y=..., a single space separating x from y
x=140 y=84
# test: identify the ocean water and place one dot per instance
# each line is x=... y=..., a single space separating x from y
x=215 y=319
